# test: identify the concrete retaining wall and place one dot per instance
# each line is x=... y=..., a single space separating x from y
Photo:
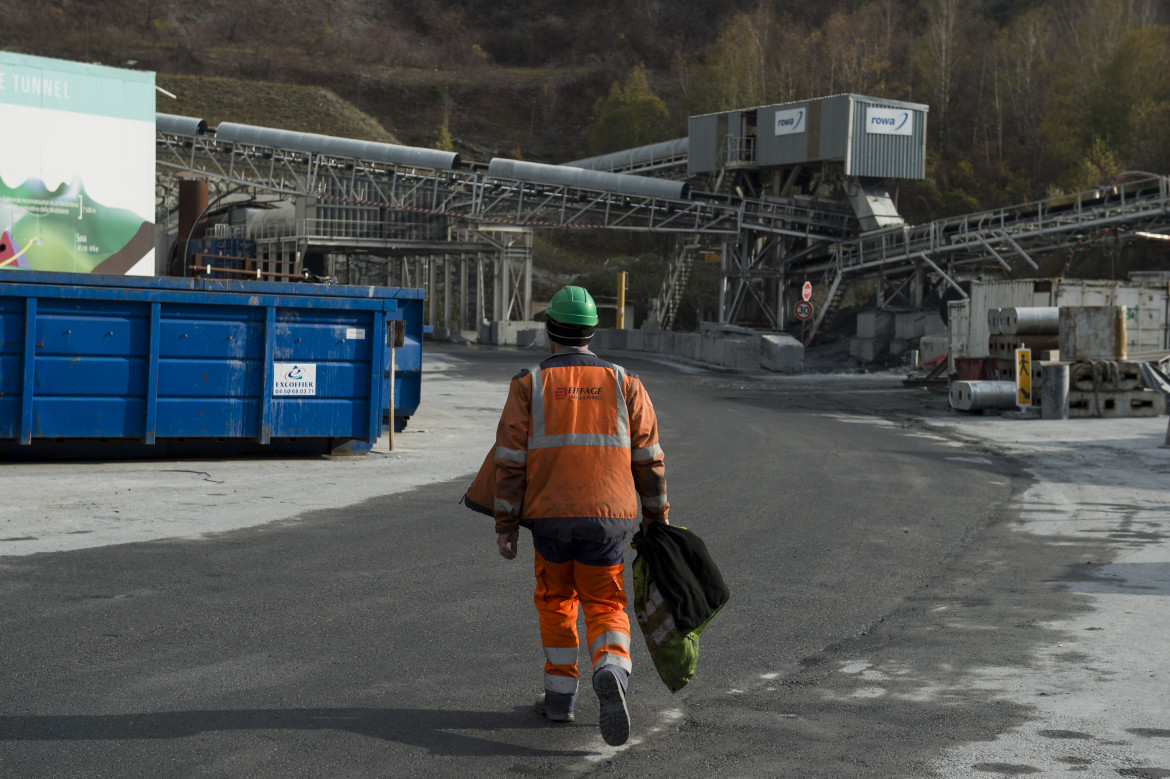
x=737 y=348
x=734 y=348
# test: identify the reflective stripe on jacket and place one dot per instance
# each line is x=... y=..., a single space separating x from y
x=577 y=450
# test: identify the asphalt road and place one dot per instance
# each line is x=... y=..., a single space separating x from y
x=388 y=638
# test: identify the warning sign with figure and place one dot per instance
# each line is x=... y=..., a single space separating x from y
x=1023 y=377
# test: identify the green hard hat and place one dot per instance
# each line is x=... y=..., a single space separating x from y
x=573 y=306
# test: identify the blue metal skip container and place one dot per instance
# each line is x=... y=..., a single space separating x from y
x=110 y=365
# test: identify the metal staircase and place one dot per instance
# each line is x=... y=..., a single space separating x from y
x=674 y=284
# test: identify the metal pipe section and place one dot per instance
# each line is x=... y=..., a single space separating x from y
x=560 y=175
x=179 y=125
x=641 y=156
x=1030 y=321
x=981 y=395
x=995 y=321
x=329 y=146
x=1054 y=390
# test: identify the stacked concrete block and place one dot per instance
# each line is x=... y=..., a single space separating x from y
x=781 y=354
x=1093 y=332
x=1111 y=388
x=908 y=326
x=875 y=331
x=875 y=324
x=1002 y=350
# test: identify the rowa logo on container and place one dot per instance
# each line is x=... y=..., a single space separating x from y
x=888 y=121
x=790 y=122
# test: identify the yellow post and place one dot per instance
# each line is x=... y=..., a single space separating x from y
x=621 y=301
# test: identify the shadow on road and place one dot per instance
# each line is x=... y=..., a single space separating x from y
x=436 y=731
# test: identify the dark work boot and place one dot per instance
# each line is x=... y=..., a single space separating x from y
x=614 y=718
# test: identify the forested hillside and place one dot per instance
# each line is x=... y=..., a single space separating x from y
x=1027 y=98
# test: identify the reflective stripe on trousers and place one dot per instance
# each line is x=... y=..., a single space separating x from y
x=599 y=589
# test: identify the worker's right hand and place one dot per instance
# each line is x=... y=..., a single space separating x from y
x=647 y=522
x=507 y=544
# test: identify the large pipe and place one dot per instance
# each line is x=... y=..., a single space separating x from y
x=1020 y=321
x=995 y=321
x=1054 y=390
x=179 y=125
x=980 y=395
x=597 y=180
x=329 y=146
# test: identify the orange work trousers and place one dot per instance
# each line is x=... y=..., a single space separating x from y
x=562 y=584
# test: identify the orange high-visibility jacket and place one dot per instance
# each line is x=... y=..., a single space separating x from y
x=576 y=450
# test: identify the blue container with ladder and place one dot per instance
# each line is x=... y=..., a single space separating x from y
x=135 y=366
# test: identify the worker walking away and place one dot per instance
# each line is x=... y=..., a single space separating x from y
x=576 y=452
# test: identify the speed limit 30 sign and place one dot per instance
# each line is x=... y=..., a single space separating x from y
x=803 y=310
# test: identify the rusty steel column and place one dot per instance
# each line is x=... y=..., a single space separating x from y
x=192 y=205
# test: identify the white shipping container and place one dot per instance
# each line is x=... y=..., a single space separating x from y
x=1146 y=305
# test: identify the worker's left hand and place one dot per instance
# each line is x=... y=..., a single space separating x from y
x=507 y=543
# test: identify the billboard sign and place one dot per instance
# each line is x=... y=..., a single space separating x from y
x=76 y=167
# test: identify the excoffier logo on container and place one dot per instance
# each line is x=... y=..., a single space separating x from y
x=294 y=378
x=888 y=121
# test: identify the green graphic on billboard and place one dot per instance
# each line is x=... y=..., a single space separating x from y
x=76 y=167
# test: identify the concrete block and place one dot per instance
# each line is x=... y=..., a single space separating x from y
x=933 y=324
x=931 y=347
x=687 y=345
x=516 y=333
x=1092 y=333
x=1115 y=405
x=908 y=326
x=711 y=350
x=600 y=341
x=533 y=337
x=898 y=346
x=617 y=340
x=875 y=324
x=741 y=354
x=865 y=349
x=781 y=353
x=666 y=342
x=634 y=341
x=651 y=341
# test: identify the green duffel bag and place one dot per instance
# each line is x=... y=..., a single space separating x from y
x=678 y=590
